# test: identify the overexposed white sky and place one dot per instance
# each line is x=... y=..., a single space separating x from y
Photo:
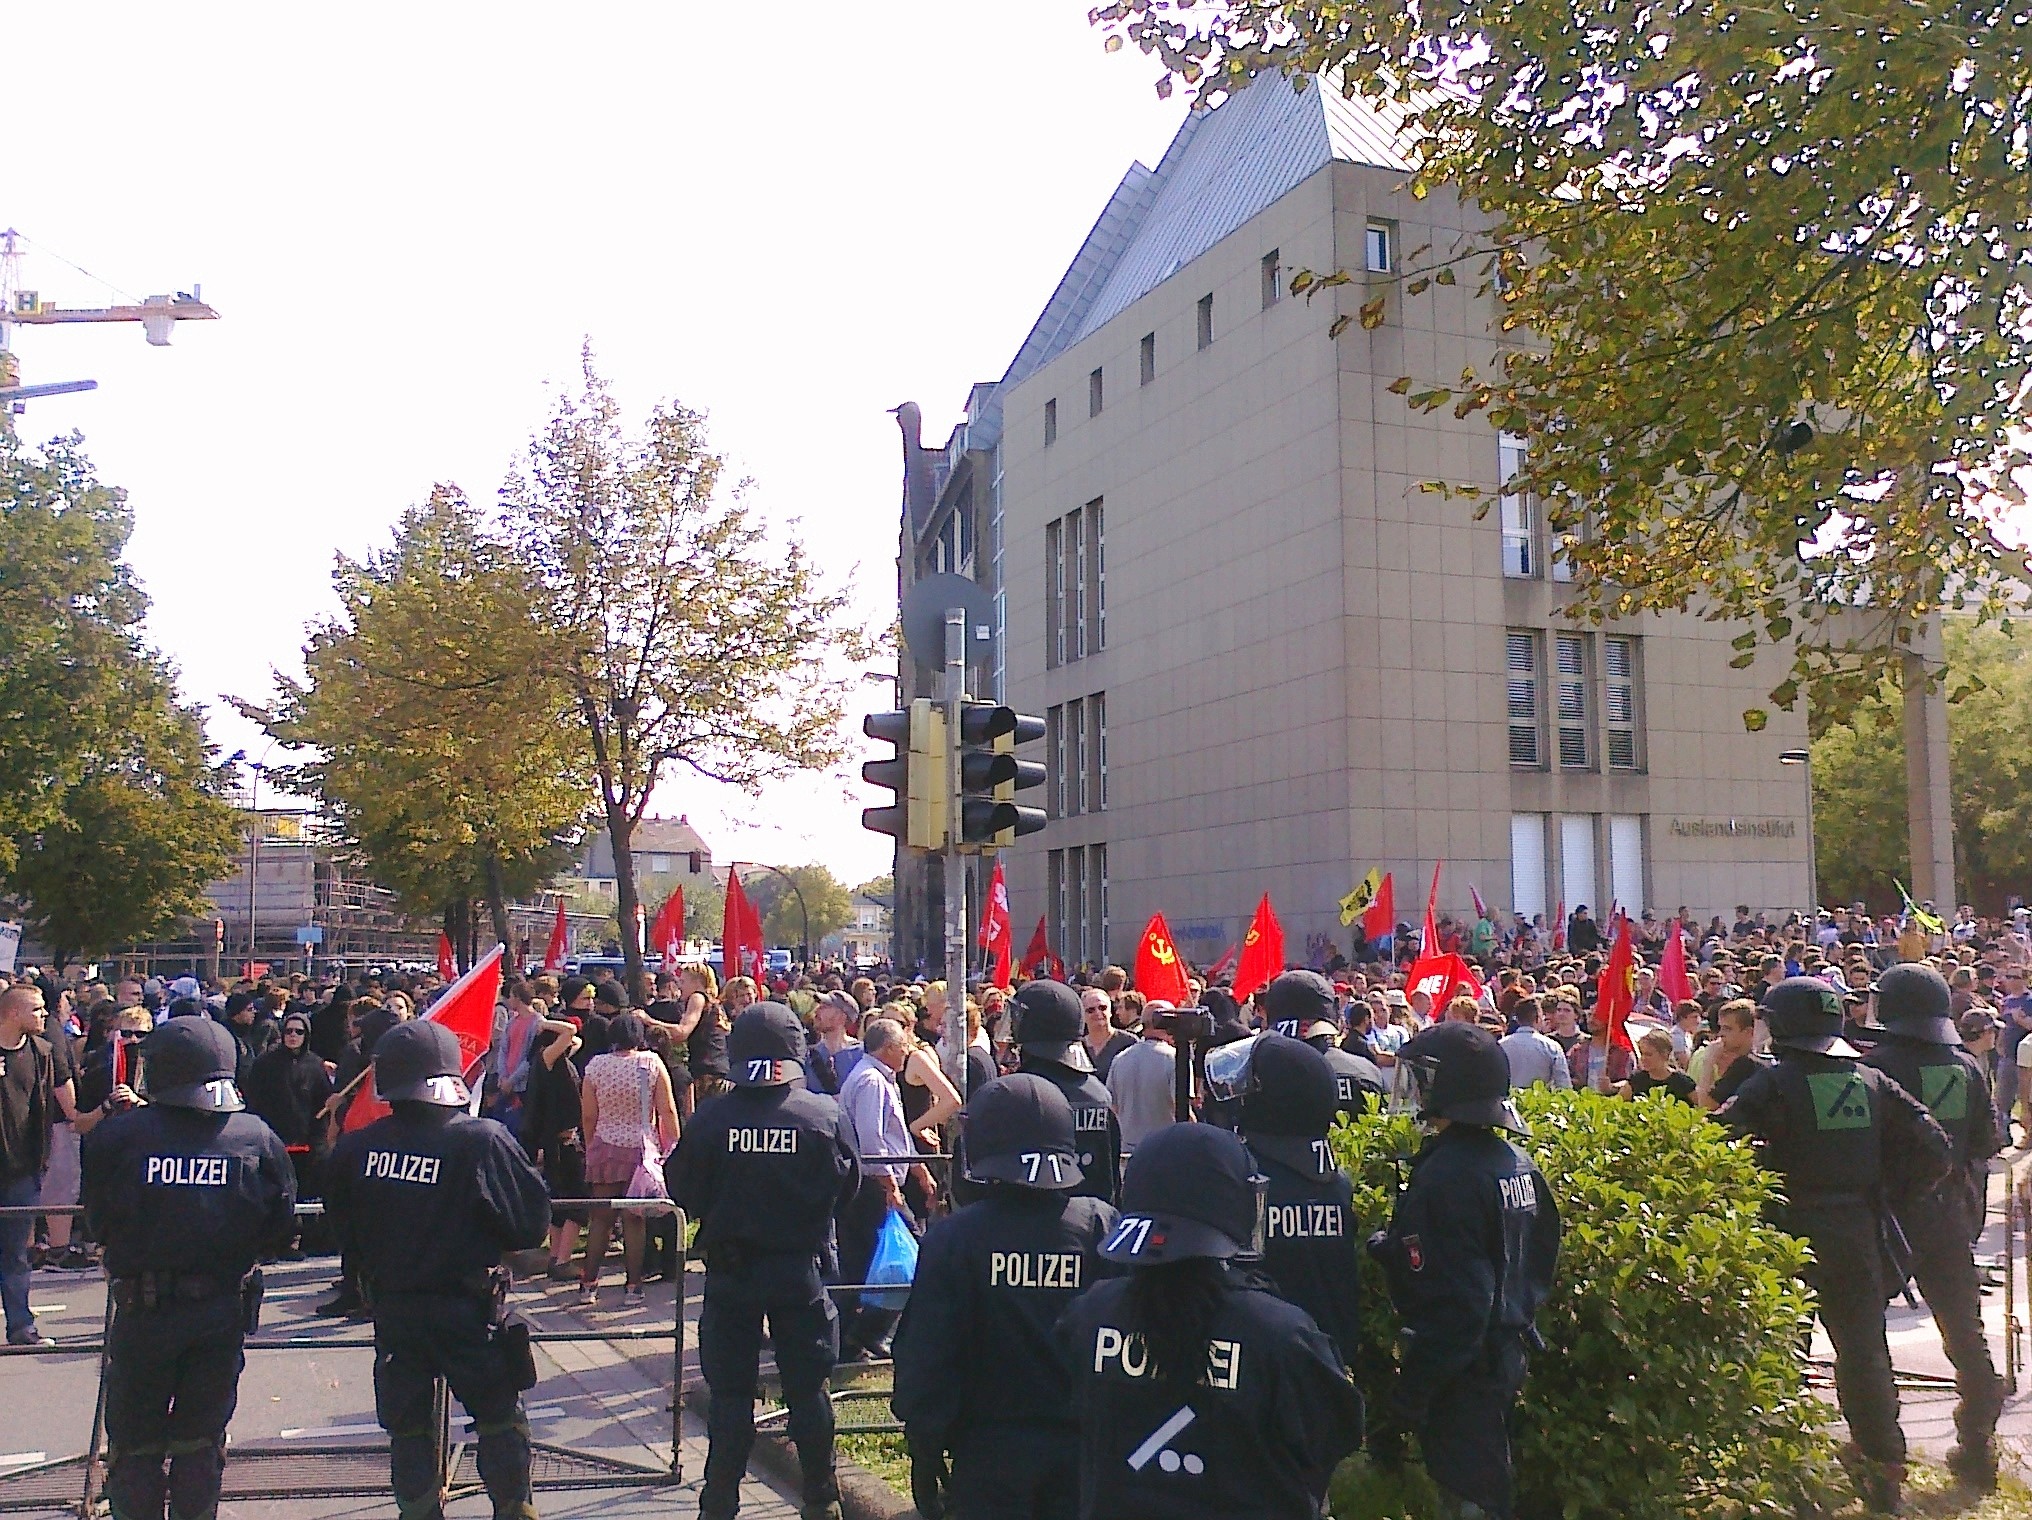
x=794 y=215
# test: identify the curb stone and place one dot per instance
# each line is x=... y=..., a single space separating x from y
x=863 y=1496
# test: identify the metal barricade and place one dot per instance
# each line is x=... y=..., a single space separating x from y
x=259 y=1472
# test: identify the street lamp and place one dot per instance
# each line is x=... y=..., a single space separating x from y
x=1804 y=760
x=258 y=769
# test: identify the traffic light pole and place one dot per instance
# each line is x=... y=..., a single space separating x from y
x=953 y=1041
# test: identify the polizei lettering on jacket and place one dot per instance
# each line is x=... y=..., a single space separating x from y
x=395 y=1166
x=770 y=1142
x=1127 y=1351
x=1518 y=1193
x=1033 y=1269
x=188 y=1171
x=1091 y=1117
x=1306 y=1221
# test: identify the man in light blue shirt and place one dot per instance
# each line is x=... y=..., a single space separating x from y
x=1534 y=1057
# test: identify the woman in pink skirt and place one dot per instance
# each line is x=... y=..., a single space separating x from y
x=630 y=1123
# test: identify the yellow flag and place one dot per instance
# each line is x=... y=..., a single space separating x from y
x=1364 y=894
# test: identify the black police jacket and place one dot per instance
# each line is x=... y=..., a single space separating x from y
x=1358 y=1081
x=975 y=1346
x=1098 y=1133
x=1310 y=1252
x=1256 y=1435
x=1951 y=1085
x=174 y=1190
x=427 y=1199
x=1847 y=1139
x=1470 y=1254
x=765 y=1169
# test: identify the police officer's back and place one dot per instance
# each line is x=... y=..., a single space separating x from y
x=1300 y=1004
x=764 y=1169
x=1470 y=1255
x=1048 y=1029
x=978 y=1374
x=1845 y=1138
x=1919 y=1047
x=425 y=1201
x=1198 y=1393
x=1310 y=1252
x=187 y=1194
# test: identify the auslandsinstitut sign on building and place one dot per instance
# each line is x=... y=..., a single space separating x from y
x=1269 y=660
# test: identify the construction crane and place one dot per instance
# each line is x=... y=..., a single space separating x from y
x=158 y=316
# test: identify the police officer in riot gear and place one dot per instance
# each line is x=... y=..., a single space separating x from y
x=977 y=1375
x=1919 y=1047
x=764 y=1169
x=1288 y=1102
x=426 y=1201
x=1048 y=1026
x=187 y=1193
x=1846 y=1139
x=1196 y=1392
x=1300 y=1004
x=1469 y=1257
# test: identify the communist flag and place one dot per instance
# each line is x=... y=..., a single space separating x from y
x=997 y=934
x=1616 y=992
x=554 y=952
x=1262 y=951
x=1160 y=972
x=466 y=1008
x=447 y=963
x=666 y=935
x=741 y=948
x=1379 y=919
x=1673 y=980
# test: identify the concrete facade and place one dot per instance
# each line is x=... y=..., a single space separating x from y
x=1305 y=662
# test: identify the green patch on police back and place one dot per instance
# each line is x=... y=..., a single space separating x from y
x=1944 y=1090
x=1841 y=1100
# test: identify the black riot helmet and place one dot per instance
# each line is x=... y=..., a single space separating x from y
x=1048 y=1024
x=1291 y=1102
x=765 y=1047
x=190 y=1064
x=418 y=1062
x=1456 y=1072
x=1019 y=1130
x=1912 y=1000
x=1805 y=1013
x=1189 y=1191
x=1297 y=1003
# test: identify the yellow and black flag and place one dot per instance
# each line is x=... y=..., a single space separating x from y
x=1353 y=905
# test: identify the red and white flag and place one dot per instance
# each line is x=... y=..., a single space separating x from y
x=447 y=963
x=1442 y=978
x=554 y=952
x=997 y=934
x=466 y=1008
x=666 y=935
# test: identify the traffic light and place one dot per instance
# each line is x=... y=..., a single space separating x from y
x=991 y=775
x=916 y=775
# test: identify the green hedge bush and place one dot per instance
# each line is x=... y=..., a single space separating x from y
x=1673 y=1384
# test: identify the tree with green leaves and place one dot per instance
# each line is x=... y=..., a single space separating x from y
x=1760 y=277
x=433 y=713
x=818 y=893
x=683 y=634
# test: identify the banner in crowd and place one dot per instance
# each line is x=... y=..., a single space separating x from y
x=1160 y=970
x=1262 y=951
x=997 y=934
x=554 y=952
x=666 y=935
x=447 y=963
x=1037 y=957
x=1442 y=978
x=1616 y=991
x=1356 y=903
x=466 y=1008
x=741 y=947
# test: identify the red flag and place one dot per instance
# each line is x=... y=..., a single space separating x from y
x=1227 y=959
x=1442 y=978
x=554 y=952
x=466 y=1008
x=998 y=935
x=666 y=935
x=1673 y=980
x=447 y=963
x=1429 y=943
x=741 y=948
x=1616 y=992
x=1159 y=971
x=1379 y=919
x=1262 y=951
x=1481 y=908
x=1559 y=926
x=1037 y=955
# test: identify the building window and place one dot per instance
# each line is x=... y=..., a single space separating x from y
x=1082 y=795
x=1054 y=593
x=1271 y=279
x=1525 y=722
x=1054 y=871
x=1577 y=863
x=1076 y=907
x=1076 y=586
x=1379 y=245
x=1620 y=702
x=1146 y=358
x=1051 y=420
x=1571 y=654
x=1054 y=762
x=1095 y=399
x=1626 y=864
x=1095 y=579
x=1206 y=321
x=1527 y=864
x=1520 y=513
x=1097 y=715
x=659 y=865
x=1097 y=902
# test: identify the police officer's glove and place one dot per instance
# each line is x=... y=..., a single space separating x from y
x=1379 y=1245
x=928 y=1476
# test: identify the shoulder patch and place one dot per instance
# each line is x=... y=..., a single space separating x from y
x=1841 y=1100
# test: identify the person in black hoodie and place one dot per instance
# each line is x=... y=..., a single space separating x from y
x=346 y=1301
x=328 y=1032
x=288 y=1087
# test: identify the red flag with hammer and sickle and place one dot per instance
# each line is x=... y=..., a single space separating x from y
x=1160 y=970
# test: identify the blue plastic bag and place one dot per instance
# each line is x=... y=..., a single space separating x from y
x=893 y=1265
